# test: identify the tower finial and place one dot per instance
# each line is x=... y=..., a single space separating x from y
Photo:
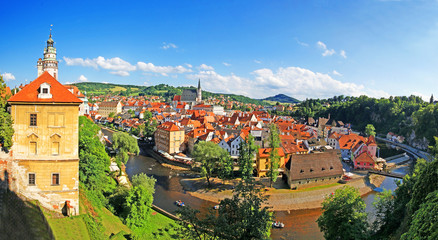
x=51 y=25
x=199 y=83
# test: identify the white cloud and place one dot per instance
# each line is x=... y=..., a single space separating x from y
x=326 y=51
x=205 y=67
x=226 y=64
x=301 y=43
x=293 y=81
x=120 y=73
x=105 y=82
x=8 y=76
x=116 y=63
x=343 y=54
x=257 y=61
x=82 y=78
x=163 y=70
x=168 y=45
x=189 y=65
x=122 y=68
x=336 y=73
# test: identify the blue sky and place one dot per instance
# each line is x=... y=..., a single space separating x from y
x=305 y=49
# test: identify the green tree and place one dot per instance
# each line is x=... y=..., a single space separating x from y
x=139 y=202
x=208 y=155
x=247 y=151
x=274 y=157
x=424 y=223
x=344 y=215
x=150 y=128
x=126 y=143
x=6 y=129
x=384 y=205
x=226 y=166
x=370 y=130
x=240 y=217
x=94 y=162
x=112 y=115
x=147 y=115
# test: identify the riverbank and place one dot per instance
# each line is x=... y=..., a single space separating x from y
x=280 y=199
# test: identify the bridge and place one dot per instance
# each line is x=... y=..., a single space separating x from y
x=387 y=174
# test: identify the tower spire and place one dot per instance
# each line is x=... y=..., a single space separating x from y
x=199 y=83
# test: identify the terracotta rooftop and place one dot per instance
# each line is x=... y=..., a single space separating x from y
x=30 y=92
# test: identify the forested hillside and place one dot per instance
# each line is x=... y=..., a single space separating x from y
x=407 y=116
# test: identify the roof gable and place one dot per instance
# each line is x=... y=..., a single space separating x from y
x=59 y=93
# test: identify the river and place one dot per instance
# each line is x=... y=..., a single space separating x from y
x=299 y=224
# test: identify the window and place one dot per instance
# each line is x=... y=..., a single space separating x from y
x=33 y=148
x=55 y=148
x=33 y=120
x=31 y=178
x=301 y=171
x=55 y=178
x=322 y=169
x=45 y=90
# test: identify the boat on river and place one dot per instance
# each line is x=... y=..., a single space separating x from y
x=180 y=203
x=277 y=224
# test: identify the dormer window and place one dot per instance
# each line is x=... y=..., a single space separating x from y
x=44 y=91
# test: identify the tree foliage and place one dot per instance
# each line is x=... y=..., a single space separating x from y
x=274 y=157
x=384 y=206
x=125 y=143
x=208 y=155
x=94 y=162
x=6 y=129
x=139 y=201
x=240 y=217
x=247 y=151
x=344 y=215
x=370 y=130
x=424 y=223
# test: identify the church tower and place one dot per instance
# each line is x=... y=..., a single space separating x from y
x=199 y=92
x=49 y=63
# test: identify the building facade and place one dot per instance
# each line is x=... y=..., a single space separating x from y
x=169 y=138
x=45 y=150
x=105 y=108
x=48 y=63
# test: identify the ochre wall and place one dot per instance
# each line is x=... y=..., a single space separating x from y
x=55 y=123
x=43 y=133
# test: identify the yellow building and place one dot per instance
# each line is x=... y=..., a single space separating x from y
x=263 y=160
x=45 y=150
x=105 y=108
x=169 y=138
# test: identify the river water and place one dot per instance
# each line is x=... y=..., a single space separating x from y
x=299 y=224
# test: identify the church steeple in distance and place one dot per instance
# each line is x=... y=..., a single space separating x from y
x=199 y=92
x=49 y=62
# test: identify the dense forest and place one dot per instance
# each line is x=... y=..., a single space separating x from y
x=162 y=90
x=410 y=116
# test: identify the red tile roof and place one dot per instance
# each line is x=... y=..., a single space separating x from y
x=169 y=126
x=60 y=94
x=265 y=152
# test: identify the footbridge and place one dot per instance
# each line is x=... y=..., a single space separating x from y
x=387 y=174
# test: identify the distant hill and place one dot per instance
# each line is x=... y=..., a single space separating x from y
x=163 y=90
x=282 y=98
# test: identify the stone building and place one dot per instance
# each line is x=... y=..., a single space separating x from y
x=192 y=96
x=105 y=108
x=169 y=138
x=45 y=154
x=48 y=63
x=309 y=170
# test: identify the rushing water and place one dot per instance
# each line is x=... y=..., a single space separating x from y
x=299 y=224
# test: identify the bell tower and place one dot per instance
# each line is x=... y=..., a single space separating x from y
x=49 y=62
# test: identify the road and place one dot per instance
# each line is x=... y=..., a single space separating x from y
x=411 y=150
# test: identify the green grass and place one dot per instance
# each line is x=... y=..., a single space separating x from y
x=111 y=223
x=117 y=89
x=160 y=227
x=69 y=228
x=317 y=187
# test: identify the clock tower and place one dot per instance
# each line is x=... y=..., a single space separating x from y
x=49 y=63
